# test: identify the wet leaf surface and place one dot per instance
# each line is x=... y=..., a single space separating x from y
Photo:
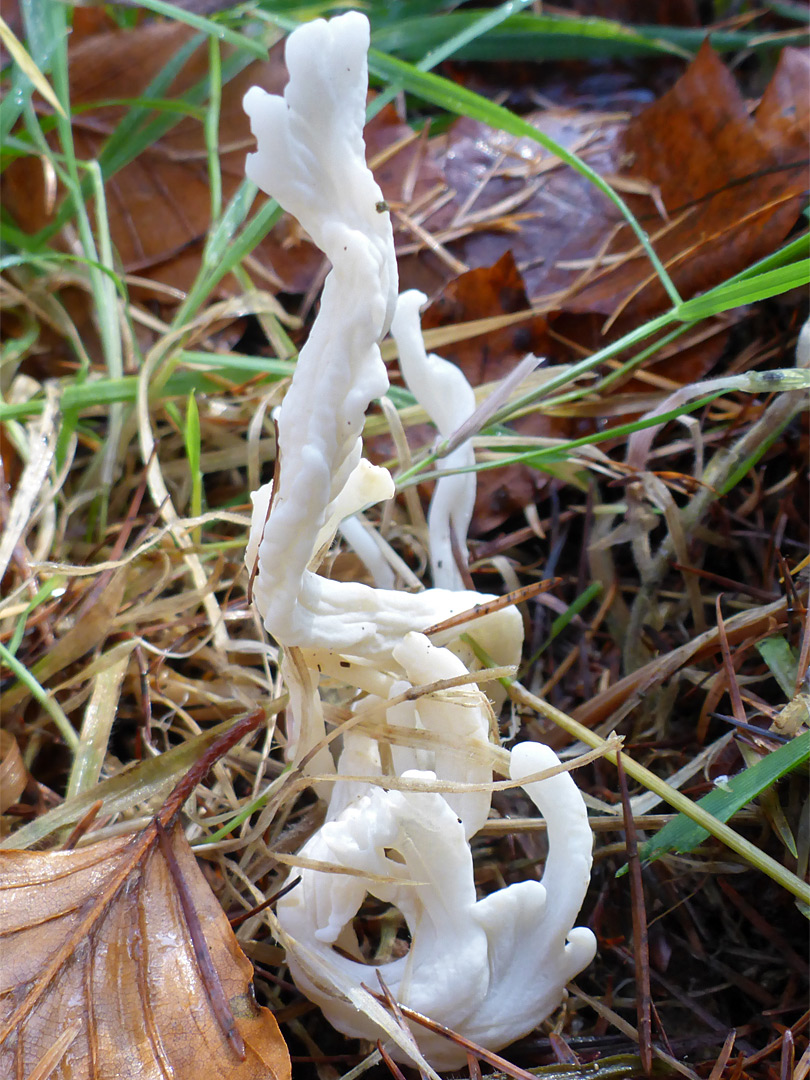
x=715 y=187
x=732 y=185
x=513 y=195
x=102 y=969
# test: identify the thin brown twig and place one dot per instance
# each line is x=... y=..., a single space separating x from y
x=82 y=825
x=517 y=596
x=640 y=940
x=467 y=1044
x=237 y=920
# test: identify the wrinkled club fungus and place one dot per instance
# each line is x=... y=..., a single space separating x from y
x=491 y=969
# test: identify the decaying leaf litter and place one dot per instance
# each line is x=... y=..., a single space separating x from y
x=642 y=539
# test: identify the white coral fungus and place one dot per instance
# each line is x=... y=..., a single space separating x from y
x=492 y=968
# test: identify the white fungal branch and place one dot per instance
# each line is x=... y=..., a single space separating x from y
x=311 y=158
x=444 y=393
x=491 y=969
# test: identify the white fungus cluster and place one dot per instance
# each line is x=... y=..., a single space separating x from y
x=491 y=969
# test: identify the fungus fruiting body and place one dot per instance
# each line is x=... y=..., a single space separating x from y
x=492 y=968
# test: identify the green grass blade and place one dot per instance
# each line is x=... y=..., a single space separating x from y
x=223 y=251
x=536 y=458
x=789 y=10
x=46 y=590
x=48 y=703
x=206 y=26
x=29 y=69
x=782 y=662
x=526 y=37
x=93 y=393
x=193 y=441
x=452 y=42
x=733 y=294
x=211 y=126
x=683 y=835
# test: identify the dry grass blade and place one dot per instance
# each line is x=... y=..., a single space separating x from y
x=105 y=946
x=725 y=1054
x=32 y=481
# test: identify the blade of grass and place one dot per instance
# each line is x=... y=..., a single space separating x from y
x=684 y=834
x=223 y=251
x=48 y=703
x=207 y=26
x=736 y=293
x=449 y=44
x=782 y=661
x=211 y=126
x=97 y=723
x=95 y=392
x=42 y=594
x=528 y=37
x=561 y=451
x=193 y=443
x=27 y=66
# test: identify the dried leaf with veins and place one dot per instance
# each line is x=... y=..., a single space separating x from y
x=107 y=971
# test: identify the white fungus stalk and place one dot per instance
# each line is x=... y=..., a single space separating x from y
x=311 y=158
x=491 y=969
x=444 y=393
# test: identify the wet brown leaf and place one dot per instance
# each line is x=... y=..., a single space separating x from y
x=715 y=188
x=103 y=969
x=511 y=194
x=732 y=185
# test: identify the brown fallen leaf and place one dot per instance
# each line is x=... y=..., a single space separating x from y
x=714 y=187
x=505 y=194
x=118 y=961
x=732 y=185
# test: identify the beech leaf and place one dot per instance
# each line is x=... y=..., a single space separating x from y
x=108 y=972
